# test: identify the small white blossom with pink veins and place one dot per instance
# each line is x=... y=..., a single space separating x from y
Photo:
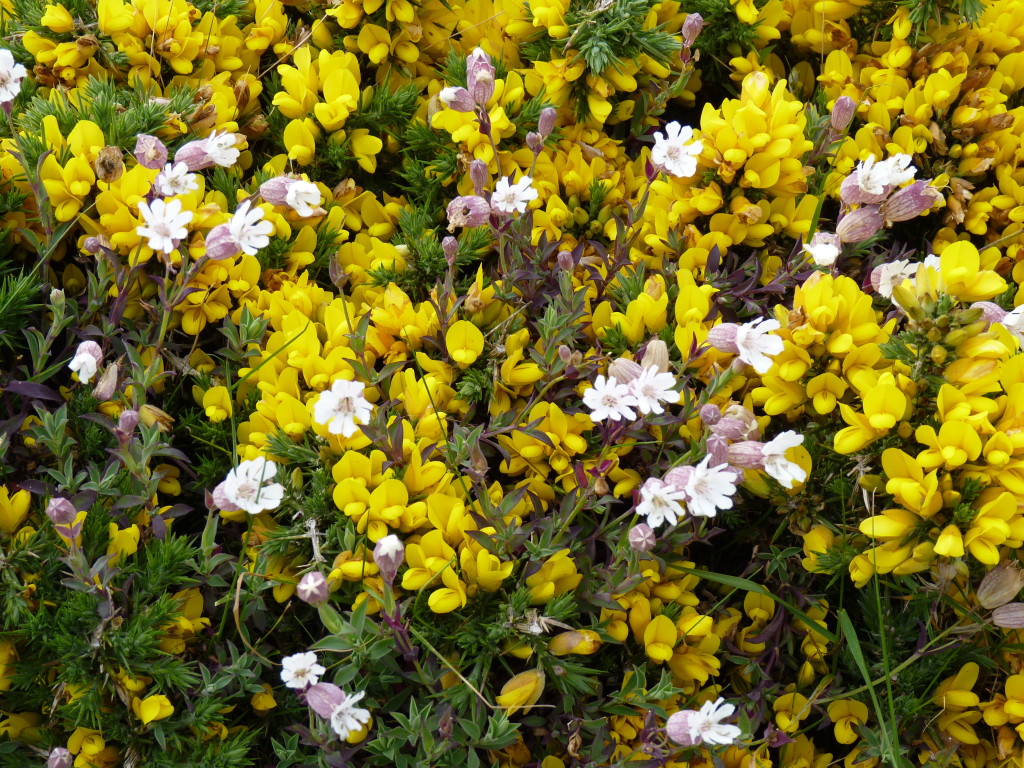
x=652 y=388
x=777 y=465
x=250 y=230
x=175 y=180
x=164 y=224
x=710 y=489
x=250 y=487
x=608 y=399
x=676 y=151
x=757 y=344
x=512 y=198
x=342 y=407
x=304 y=198
x=693 y=727
x=659 y=502
x=301 y=670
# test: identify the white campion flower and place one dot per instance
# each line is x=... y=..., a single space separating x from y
x=175 y=180
x=693 y=727
x=347 y=718
x=899 y=169
x=301 y=670
x=249 y=487
x=872 y=177
x=676 y=151
x=342 y=407
x=250 y=230
x=776 y=464
x=887 y=276
x=659 y=502
x=710 y=489
x=511 y=198
x=220 y=148
x=304 y=198
x=164 y=224
x=11 y=75
x=757 y=345
x=823 y=249
x=86 y=361
x=652 y=388
x=608 y=399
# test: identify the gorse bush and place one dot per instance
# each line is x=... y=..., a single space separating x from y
x=489 y=383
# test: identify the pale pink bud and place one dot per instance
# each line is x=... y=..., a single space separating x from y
x=842 y=113
x=458 y=99
x=565 y=261
x=468 y=211
x=718 y=449
x=723 y=337
x=61 y=511
x=678 y=477
x=534 y=142
x=480 y=77
x=683 y=728
x=737 y=423
x=127 y=422
x=692 y=26
x=860 y=224
x=150 y=152
x=480 y=176
x=1009 y=616
x=275 y=190
x=656 y=356
x=59 y=757
x=642 y=538
x=624 y=371
x=221 y=243
x=389 y=554
x=313 y=589
x=851 y=193
x=710 y=414
x=450 y=246
x=990 y=313
x=107 y=384
x=546 y=122
x=324 y=698
x=194 y=156
x=747 y=454
x=910 y=201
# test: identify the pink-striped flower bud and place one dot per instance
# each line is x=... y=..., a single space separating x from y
x=747 y=454
x=678 y=477
x=718 y=450
x=275 y=190
x=723 y=337
x=710 y=414
x=479 y=174
x=221 y=243
x=851 y=192
x=684 y=728
x=313 y=589
x=480 y=77
x=389 y=554
x=910 y=201
x=990 y=312
x=842 y=113
x=1009 y=616
x=565 y=261
x=737 y=423
x=860 y=224
x=324 y=698
x=60 y=757
x=450 y=246
x=546 y=122
x=150 y=152
x=456 y=98
x=642 y=538
x=692 y=26
x=624 y=371
x=61 y=511
x=534 y=142
x=126 y=423
x=468 y=211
